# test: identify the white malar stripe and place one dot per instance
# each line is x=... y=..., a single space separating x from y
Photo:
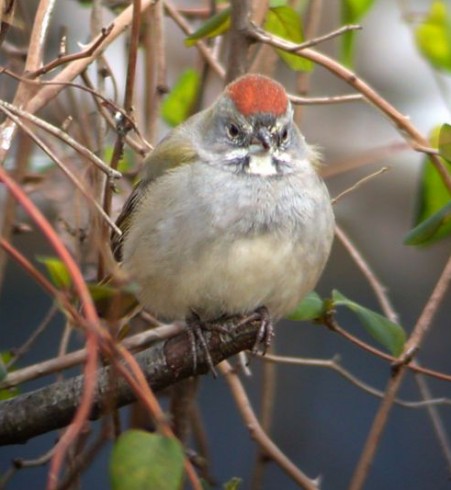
x=262 y=164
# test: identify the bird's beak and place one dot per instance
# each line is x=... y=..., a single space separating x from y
x=263 y=138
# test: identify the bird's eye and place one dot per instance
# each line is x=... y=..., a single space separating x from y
x=232 y=131
x=284 y=135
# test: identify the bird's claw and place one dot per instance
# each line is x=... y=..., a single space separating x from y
x=265 y=332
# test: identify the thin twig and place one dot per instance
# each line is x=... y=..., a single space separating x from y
x=134 y=343
x=376 y=285
x=200 y=45
x=29 y=268
x=424 y=323
x=366 y=157
x=437 y=422
x=268 y=398
x=359 y=183
x=332 y=99
x=69 y=174
x=335 y=365
x=104 y=33
x=402 y=123
x=296 y=48
x=239 y=41
x=75 y=68
x=333 y=325
x=63 y=136
x=380 y=420
x=257 y=433
x=25 y=347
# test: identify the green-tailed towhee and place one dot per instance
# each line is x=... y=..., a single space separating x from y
x=230 y=214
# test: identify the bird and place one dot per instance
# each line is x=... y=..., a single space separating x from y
x=230 y=216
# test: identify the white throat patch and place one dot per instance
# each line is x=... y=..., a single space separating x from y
x=261 y=164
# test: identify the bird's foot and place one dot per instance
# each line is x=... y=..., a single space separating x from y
x=196 y=329
x=265 y=332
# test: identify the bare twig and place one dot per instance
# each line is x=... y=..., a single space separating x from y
x=296 y=48
x=373 y=280
x=200 y=45
x=335 y=365
x=134 y=343
x=123 y=126
x=333 y=325
x=268 y=392
x=333 y=99
x=402 y=123
x=154 y=69
x=164 y=363
x=69 y=174
x=239 y=41
x=437 y=423
x=257 y=433
x=366 y=157
x=109 y=109
x=104 y=33
x=423 y=324
x=359 y=183
x=63 y=136
x=25 y=347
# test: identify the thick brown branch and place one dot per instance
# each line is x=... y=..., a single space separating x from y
x=164 y=364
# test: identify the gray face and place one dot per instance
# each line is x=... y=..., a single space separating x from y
x=260 y=144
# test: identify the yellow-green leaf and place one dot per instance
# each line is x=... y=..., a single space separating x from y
x=144 y=461
x=233 y=484
x=214 y=26
x=387 y=333
x=433 y=36
x=433 y=196
x=179 y=104
x=6 y=393
x=433 y=229
x=57 y=271
x=286 y=23
x=352 y=11
x=310 y=308
x=113 y=303
x=444 y=141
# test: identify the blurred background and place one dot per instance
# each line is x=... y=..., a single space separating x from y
x=320 y=421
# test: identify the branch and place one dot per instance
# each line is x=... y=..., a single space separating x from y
x=402 y=122
x=381 y=417
x=258 y=434
x=240 y=41
x=165 y=363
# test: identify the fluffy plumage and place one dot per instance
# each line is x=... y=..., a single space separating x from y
x=231 y=214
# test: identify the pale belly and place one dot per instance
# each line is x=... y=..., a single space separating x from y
x=234 y=278
x=232 y=246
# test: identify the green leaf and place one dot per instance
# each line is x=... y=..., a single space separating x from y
x=433 y=229
x=433 y=195
x=113 y=303
x=444 y=141
x=3 y=370
x=433 y=36
x=352 y=11
x=144 y=461
x=310 y=308
x=214 y=26
x=6 y=393
x=387 y=333
x=179 y=104
x=126 y=163
x=233 y=484
x=57 y=271
x=285 y=22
